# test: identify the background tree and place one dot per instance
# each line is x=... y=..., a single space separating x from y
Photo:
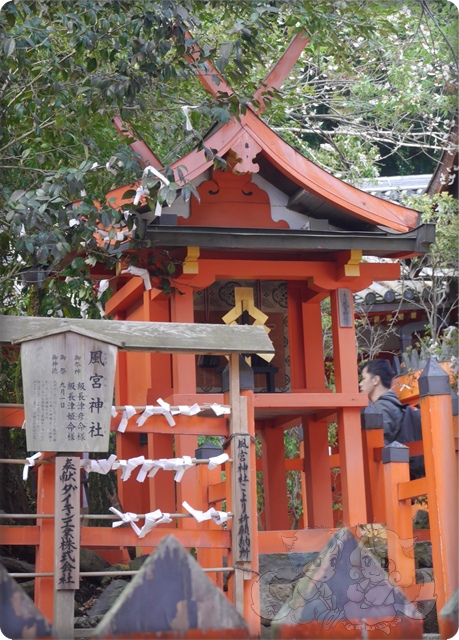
x=437 y=271
x=377 y=89
x=376 y=79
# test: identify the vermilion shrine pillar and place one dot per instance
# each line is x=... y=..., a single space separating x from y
x=349 y=429
x=318 y=506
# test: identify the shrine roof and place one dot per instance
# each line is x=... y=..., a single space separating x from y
x=310 y=189
x=298 y=243
x=320 y=211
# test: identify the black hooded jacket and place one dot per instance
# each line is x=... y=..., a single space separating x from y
x=392 y=409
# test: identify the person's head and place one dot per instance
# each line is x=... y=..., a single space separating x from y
x=376 y=378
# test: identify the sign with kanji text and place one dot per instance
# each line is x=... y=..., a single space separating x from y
x=67 y=523
x=68 y=382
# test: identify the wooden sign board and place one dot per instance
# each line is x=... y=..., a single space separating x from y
x=68 y=382
x=345 y=308
x=242 y=524
x=67 y=523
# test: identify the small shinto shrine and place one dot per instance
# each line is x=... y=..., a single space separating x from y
x=269 y=239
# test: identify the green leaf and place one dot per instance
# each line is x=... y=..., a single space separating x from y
x=91 y=64
x=9 y=46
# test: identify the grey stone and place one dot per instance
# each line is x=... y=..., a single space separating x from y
x=430 y=622
x=14 y=565
x=84 y=622
x=136 y=563
x=107 y=598
x=423 y=554
x=92 y=561
x=286 y=567
x=421 y=520
x=115 y=567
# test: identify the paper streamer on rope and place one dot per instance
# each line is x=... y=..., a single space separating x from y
x=147 y=466
x=166 y=411
x=179 y=465
x=103 y=286
x=219 y=517
x=30 y=463
x=128 y=412
x=101 y=309
x=186 y=111
x=149 y=411
x=157 y=174
x=114 y=412
x=102 y=466
x=217 y=460
x=139 y=192
x=127 y=517
x=109 y=165
x=152 y=519
x=143 y=273
x=218 y=409
x=128 y=466
x=189 y=411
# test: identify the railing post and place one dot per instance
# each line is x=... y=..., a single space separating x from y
x=441 y=475
x=395 y=458
x=373 y=439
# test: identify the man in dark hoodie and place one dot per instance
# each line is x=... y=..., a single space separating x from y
x=376 y=380
x=398 y=426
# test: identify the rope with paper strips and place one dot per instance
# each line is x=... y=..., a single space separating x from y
x=149 y=468
x=168 y=411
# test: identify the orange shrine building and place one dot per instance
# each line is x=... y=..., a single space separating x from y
x=268 y=240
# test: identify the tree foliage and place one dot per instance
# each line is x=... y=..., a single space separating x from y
x=67 y=68
x=376 y=78
x=438 y=270
x=377 y=90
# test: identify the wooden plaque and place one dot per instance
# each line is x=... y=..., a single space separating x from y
x=345 y=308
x=68 y=382
x=241 y=500
x=67 y=523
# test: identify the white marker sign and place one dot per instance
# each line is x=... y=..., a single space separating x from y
x=68 y=382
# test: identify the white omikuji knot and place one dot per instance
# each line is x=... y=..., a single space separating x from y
x=128 y=412
x=219 y=517
x=128 y=517
x=217 y=460
x=102 y=466
x=143 y=273
x=152 y=519
x=30 y=462
x=128 y=466
x=139 y=192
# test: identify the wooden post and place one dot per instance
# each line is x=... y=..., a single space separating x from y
x=395 y=458
x=251 y=582
x=44 y=562
x=274 y=477
x=349 y=436
x=317 y=473
x=373 y=439
x=67 y=543
x=209 y=557
x=304 y=494
x=184 y=381
x=241 y=553
x=441 y=475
